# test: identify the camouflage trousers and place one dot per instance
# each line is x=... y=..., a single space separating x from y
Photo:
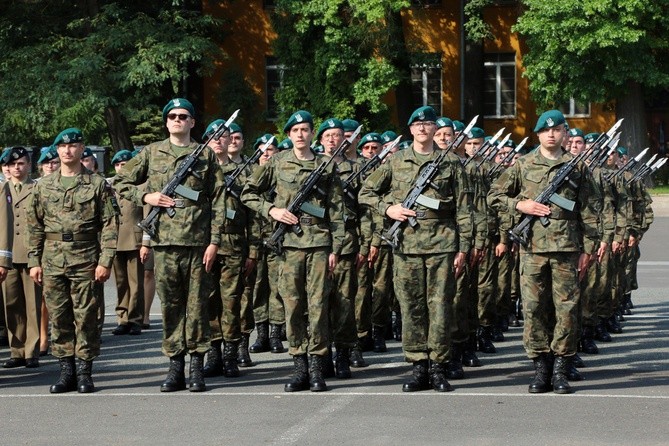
x=73 y=310
x=633 y=255
x=184 y=288
x=483 y=279
x=382 y=287
x=425 y=287
x=225 y=298
x=246 y=319
x=551 y=292
x=363 y=300
x=503 y=288
x=129 y=277
x=596 y=291
x=305 y=288
x=267 y=303
x=465 y=310
x=342 y=302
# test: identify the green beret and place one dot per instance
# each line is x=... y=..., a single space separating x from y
x=404 y=145
x=263 y=140
x=319 y=149
x=4 y=156
x=47 y=155
x=136 y=151
x=122 y=155
x=212 y=127
x=458 y=126
x=350 y=125
x=425 y=113
x=476 y=132
x=235 y=128
x=444 y=122
x=370 y=137
x=549 y=119
x=12 y=154
x=509 y=143
x=299 y=117
x=68 y=136
x=286 y=144
x=622 y=151
x=86 y=153
x=388 y=136
x=576 y=132
x=332 y=123
x=591 y=137
x=178 y=103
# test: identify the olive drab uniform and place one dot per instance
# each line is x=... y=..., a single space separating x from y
x=71 y=230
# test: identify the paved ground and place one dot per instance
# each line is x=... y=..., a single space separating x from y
x=624 y=399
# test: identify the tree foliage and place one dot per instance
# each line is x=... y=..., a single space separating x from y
x=64 y=63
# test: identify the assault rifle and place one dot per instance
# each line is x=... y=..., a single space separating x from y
x=647 y=169
x=174 y=186
x=628 y=165
x=507 y=158
x=595 y=148
x=424 y=180
x=493 y=151
x=484 y=147
x=299 y=203
x=231 y=179
x=350 y=183
x=520 y=233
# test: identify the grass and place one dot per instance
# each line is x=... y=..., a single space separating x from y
x=659 y=190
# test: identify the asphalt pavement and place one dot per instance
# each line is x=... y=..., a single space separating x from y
x=624 y=398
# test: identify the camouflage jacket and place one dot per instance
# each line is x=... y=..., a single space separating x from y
x=285 y=174
x=606 y=209
x=86 y=207
x=567 y=231
x=196 y=223
x=6 y=226
x=352 y=216
x=447 y=229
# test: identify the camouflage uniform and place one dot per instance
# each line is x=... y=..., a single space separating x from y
x=63 y=228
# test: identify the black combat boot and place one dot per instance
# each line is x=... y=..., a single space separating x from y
x=366 y=342
x=484 y=340
x=454 y=365
x=327 y=367
x=284 y=336
x=577 y=361
x=559 y=379
x=600 y=332
x=541 y=383
x=572 y=372
x=68 y=378
x=176 y=378
x=469 y=357
x=618 y=314
x=587 y=341
x=513 y=320
x=519 y=309
x=230 y=368
x=195 y=375
x=262 y=343
x=438 y=378
x=420 y=378
x=357 y=360
x=243 y=357
x=275 y=345
x=316 y=380
x=378 y=336
x=613 y=326
x=343 y=362
x=214 y=365
x=627 y=304
x=84 y=379
x=397 y=326
x=300 y=379
x=497 y=331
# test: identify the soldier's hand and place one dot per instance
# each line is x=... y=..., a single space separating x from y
x=459 y=263
x=209 y=257
x=399 y=213
x=373 y=255
x=36 y=274
x=3 y=273
x=332 y=263
x=632 y=242
x=531 y=207
x=359 y=261
x=282 y=215
x=582 y=268
x=615 y=247
x=601 y=252
x=500 y=250
x=158 y=199
x=144 y=252
x=102 y=273
x=474 y=257
x=249 y=266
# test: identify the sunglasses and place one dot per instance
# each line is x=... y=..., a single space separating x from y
x=181 y=116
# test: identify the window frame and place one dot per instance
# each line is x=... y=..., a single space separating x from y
x=499 y=64
x=425 y=67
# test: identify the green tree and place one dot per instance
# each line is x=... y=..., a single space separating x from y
x=97 y=65
x=598 y=51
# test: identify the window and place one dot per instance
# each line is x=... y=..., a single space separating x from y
x=426 y=85
x=499 y=85
x=575 y=109
x=274 y=77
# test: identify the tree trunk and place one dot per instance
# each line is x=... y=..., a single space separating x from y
x=118 y=129
x=634 y=129
x=472 y=82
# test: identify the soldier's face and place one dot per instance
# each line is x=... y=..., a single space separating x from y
x=220 y=145
x=370 y=149
x=472 y=145
x=443 y=137
x=501 y=153
x=612 y=160
x=236 y=144
x=89 y=163
x=331 y=139
x=177 y=126
x=19 y=169
x=267 y=154
x=50 y=166
x=118 y=166
x=70 y=154
x=551 y=138
x=423 y=131
x=5 y=171
x=576 y=145
x=301 y=135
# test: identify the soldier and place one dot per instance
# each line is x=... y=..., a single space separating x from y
x=430 y=255
x=128 y=268
x=556 y=256
x=185 y=246
x=72 y=233
x=307 y=260
x=23 y=298
x=48 y=161
x=89 y=160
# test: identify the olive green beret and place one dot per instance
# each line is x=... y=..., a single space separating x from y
x=12 y=154
x=235 y=128
x=370 y=137
x=509 y=143
x=591 y=137
x=263 y=140
x=444 y=122
x=404 y=145
x=458 y=126
x=388 y=136
x=122 y=155
x=350 y=125
x=47 y=155
x=576 y=132
x=86 y=153
x=549 y=119
x=178 y=103
x=68 y=136
x=476 y=132
x=299 y=117
x=212 y=127
x=622 y=151
x=425 y=113
x=4 y=156
x=286 y=144
x=319 y=149
x=136 y=151
x=332 y=123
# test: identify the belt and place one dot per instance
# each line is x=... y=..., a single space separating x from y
x=429 y=214
x=310 y=220
x=69 y=237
